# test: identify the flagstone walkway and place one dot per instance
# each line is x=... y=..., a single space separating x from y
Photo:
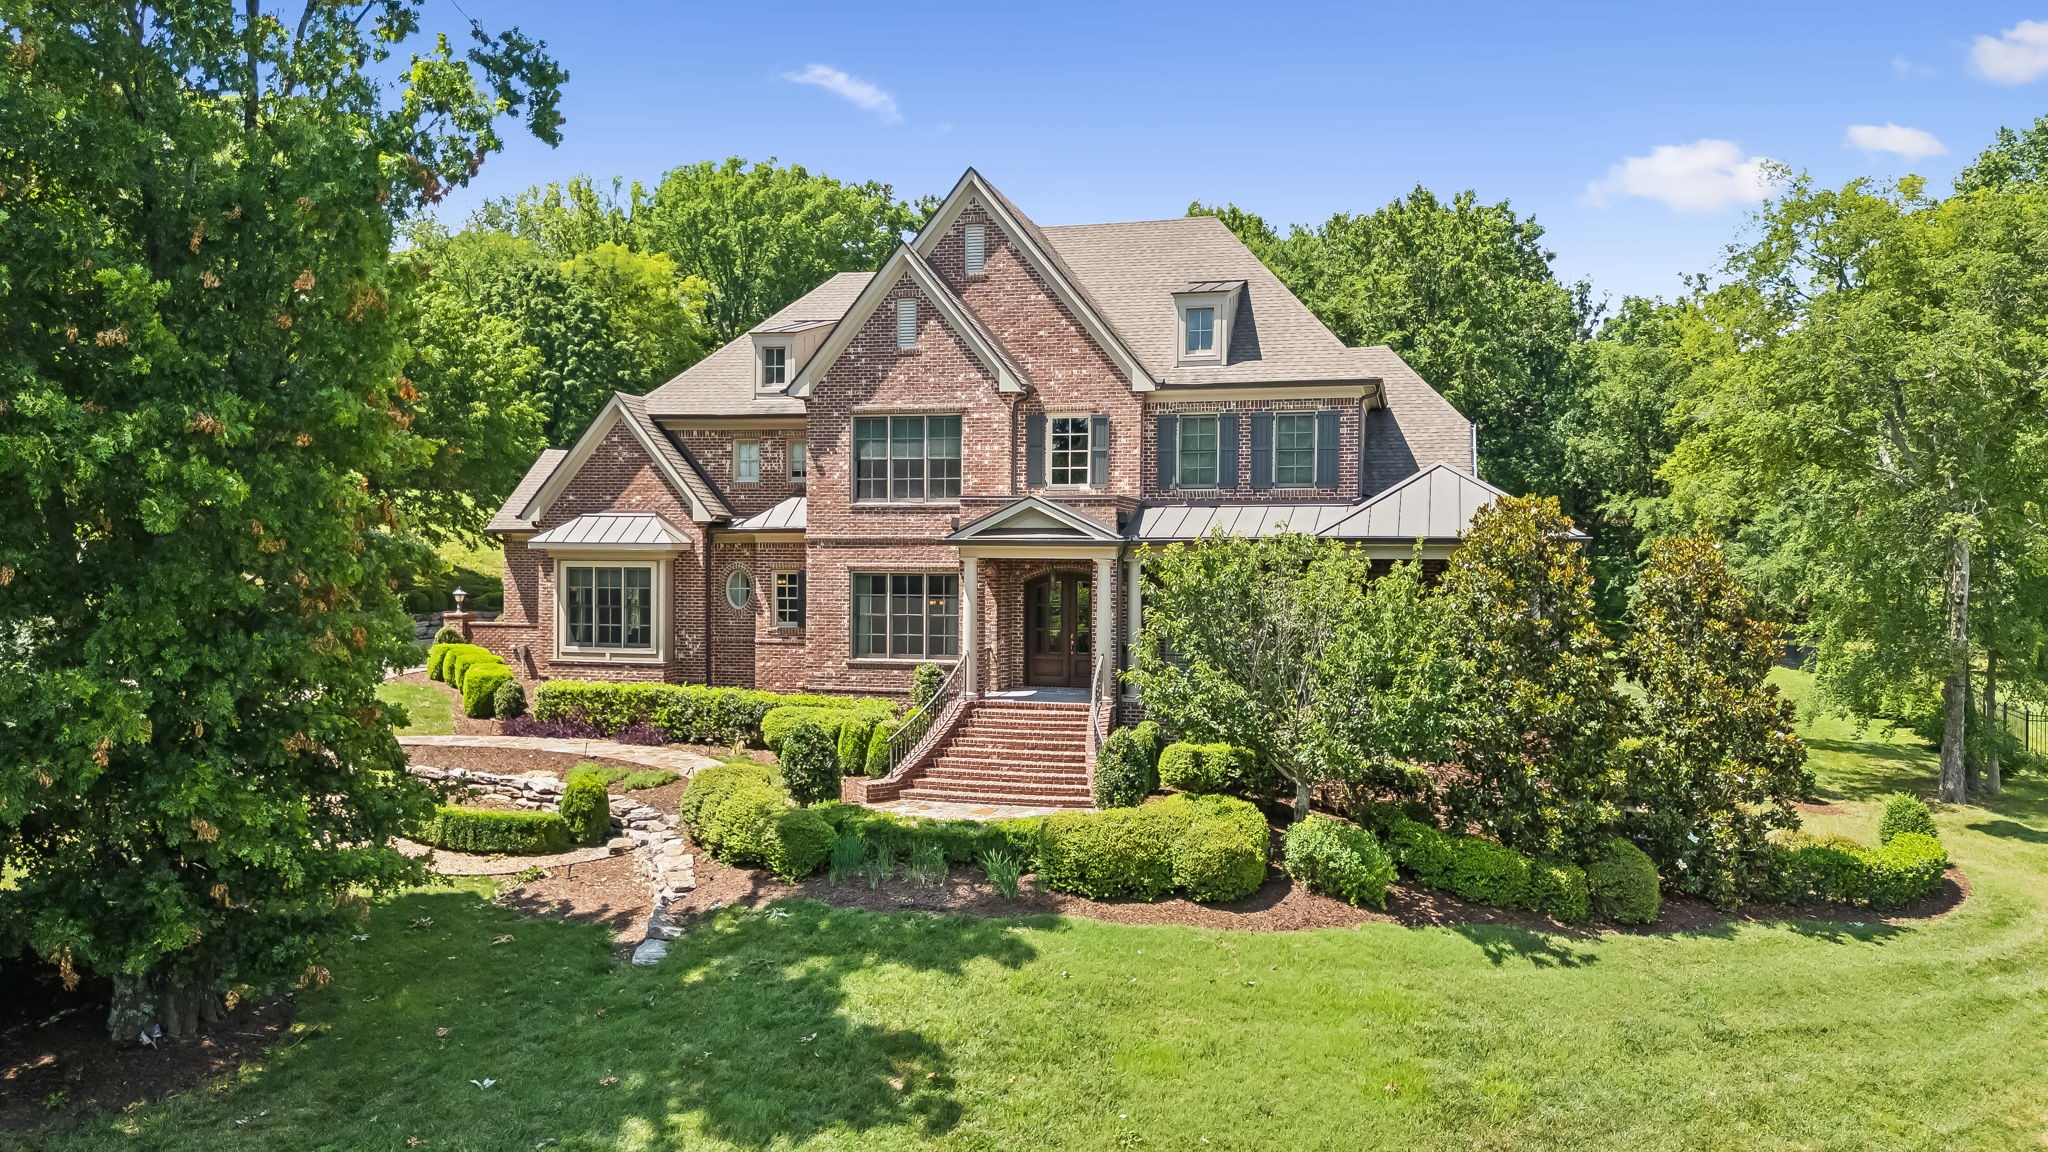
x=681 y=761
x=943 y=810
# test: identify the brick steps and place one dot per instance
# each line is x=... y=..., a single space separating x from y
x=1020 y=752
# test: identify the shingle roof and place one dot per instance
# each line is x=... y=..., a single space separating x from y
x=722 y=384
x=678 y=460
x=511 y=517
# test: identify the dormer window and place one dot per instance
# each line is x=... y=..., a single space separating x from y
x=975 y=240
x=1205 y=308
x=774 y=366
x=1201 y=333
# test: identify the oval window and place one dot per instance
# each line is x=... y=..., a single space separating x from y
x=738 y=589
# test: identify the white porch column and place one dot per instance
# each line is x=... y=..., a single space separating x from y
x=1134 y=614
x=970 y=624
x=1105 y=611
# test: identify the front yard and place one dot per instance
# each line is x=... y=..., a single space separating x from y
x=803 y=1025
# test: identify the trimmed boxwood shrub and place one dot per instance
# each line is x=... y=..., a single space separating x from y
x=961 y=841
x=795 y=843
x=448 y=634
x=808 y=763
x=480 y=688
x=1220 y=855
x=925 y=682
x=1559 y=889
x=687 y=713
x=496 y=831
x=878 y=746
x=1840 y=870
x=776 y=724
x=1469 y=867
x=1124 y=772
x=710 y=785
x=1902 y=871
x=1339 y=860
x=1200 y=768
x=1623 y=880
x=509 y=701
x=1903 y=813
x=1121 y=852
x=435 y=655
x=852 y=745
x=735 y=828
x=586 y=806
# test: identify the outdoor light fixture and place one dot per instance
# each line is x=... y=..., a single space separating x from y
x=459 y=595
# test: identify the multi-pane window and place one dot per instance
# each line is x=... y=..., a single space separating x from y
x=1294 y=448
x=1200 y=447
x=1067 y=449
x=906 y=459
x=1201 y=331
x=746 y=462
x=799 y=463
x=609 y=606
x=774 y=366
x=789 y=599
x=907 y=614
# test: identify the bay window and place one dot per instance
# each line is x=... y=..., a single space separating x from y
x=608 y=606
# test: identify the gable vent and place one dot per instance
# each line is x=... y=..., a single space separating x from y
x=976 y=238
x=906 y=323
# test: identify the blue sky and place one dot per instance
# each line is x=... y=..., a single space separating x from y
x=1630 y=131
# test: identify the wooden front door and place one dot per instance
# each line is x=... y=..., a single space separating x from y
x=1056 y=626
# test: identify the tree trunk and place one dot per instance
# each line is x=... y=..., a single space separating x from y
x=1301 y=793
x=1955 y=689
x=147 y=1011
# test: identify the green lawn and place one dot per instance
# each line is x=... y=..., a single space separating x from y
x=811 y=1027
x=427 y=708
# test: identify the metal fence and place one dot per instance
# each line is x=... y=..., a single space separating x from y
x=2028 y=724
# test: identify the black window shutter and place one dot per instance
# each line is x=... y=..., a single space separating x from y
x=1098 y=451
x=1226 y=451
x=1326 y=448
x=1169 y=434
x=1034 y=450
x=1262 y=449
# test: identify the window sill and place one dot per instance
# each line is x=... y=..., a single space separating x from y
x=900 y=661
x=601 y=658
x=900 y=505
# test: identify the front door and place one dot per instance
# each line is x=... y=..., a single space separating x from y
x=1056 y=623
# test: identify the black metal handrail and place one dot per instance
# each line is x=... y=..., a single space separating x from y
x=912 y=731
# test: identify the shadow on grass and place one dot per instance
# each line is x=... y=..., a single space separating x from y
x=1537 y=949
x=2010 y=830
x=1862 y=769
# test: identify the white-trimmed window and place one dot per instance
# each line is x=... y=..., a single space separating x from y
x=774 y=366
x=739 y=589
x=746 y=462
x=974 y=238
x=906 y=324
x=789 y=599
x=1200 y=333
x=799 y=463
x=1294 y=449
x=609 y=607
x=1066 y=448
x=1200 y=452
x=906 y=615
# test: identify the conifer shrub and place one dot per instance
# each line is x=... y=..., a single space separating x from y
x=1903 y=813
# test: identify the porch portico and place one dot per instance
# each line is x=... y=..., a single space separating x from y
x=1038 y=599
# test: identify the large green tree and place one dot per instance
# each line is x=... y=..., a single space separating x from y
x=1875 y=421
x=2013 y=159
x=203 y=429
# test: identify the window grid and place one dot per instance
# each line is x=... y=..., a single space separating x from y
x=906 y=614
x=774 y=366
x=610 y=607
x=1067 y=451
x=789 y=599
x=1294 y=449
x=1199 y=449
x=1201 y=331
x=746 y=462
x=799 y=463
x=906 y=459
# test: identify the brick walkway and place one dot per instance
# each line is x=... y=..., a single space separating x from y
x=681 y=761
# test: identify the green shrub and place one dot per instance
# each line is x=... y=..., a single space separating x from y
x=645 y=778
x=1903 y=813
x=808 y=763
x=1151 y=741
x=435 y=656
x=1005 y=870
x=849 y=850
x=609 y=773
x=1124 y=773
x=509 y=701
x=586 y=807
x=1623 y=880
x=1221 y=854
x=461 y=658
x=1559 y=889
x=1105 y=855
x=852 y=744
x=1200 y=768
x=795 y=843
x=1907 y=868
x=925 y=683
x=777 y=722
x=688 y=713
x=496 y=831
x=448 y=635
x=962 y=841
x=1839 y=870
x=480 y=689
x=710 y=786
x=878 y=746
x=1469 y=867
x=736 y=829
x=1339 y=860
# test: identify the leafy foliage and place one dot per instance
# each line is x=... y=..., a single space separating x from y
x=586 y=805
x=509 y=701
x=686 y=713
x=796 y=843
x=1623 y=880
x=1903 y=813
x=1339 y=860
x=808 y=763
x=1202 y=768
x=496 y=831
x=1837 y=869
x=1125 y=772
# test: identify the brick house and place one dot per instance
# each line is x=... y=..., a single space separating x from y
x=956 y=459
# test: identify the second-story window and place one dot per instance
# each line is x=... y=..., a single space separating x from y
x=746 y=462
x=1201 y=333
x=1294 y=449
x=1067 y=448
x=906 y=459
x=799 y=463
x=774 y=366
x=1200 y=448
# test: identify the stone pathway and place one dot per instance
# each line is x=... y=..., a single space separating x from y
x=451 y=863
x=681 y=761
x=945 y=810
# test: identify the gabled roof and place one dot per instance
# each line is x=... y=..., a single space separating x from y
x=510 y=518
x=683 y=475
x=1437 y=503
x=791 y=515
x=722 y=384
x=1044 y=258
x=603 y=531
x=961 y=319
x=1035 y=520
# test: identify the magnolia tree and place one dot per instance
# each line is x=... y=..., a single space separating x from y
x=1717 y=766
x=206 y=446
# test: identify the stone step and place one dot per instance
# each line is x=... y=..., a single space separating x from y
x=969 y=773
x=975 y=741
x=1075 y=769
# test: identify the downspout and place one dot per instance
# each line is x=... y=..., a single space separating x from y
x=1474 y=426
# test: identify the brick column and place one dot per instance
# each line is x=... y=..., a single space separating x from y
x=459 y=621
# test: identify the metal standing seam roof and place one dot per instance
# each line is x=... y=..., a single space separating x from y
x=613 y=529
x=1435 y=504
x=791 y=515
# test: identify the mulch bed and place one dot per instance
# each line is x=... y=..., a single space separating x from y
x=56 y=1060
x=508 y=761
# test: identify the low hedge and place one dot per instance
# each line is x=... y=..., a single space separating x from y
x=710 y=785
x=1560 y=889
x=1903 y=813
x=777 y=722
x=460 y=658
x=1213 y=848
x=586 y=804
x=1339 y=860
x=1221 y=855
x=1837 y=869
x=878 y=746
x=435 y=656
x=1201 y=768
x=795 y=843
x=496 y=831
x=1485 y=872
x=688 y=713
x=1623 y=883
x=480 y=688
x=962 y=841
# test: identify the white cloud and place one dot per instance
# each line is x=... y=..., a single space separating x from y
x=860 y=93
x=1911 y=143
x=2018 y=55
x=1905 y=67
x=1703 y=176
